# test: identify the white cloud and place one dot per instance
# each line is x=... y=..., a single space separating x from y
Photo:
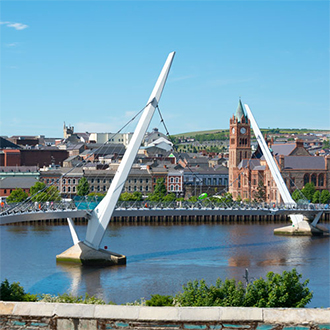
x=13 y=44
x=16 y=26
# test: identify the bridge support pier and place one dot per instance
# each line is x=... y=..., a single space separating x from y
x=303 y=228
x=80 y=253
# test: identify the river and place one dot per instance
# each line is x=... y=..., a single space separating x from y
x=161 y=258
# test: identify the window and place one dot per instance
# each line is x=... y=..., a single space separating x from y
x=63 y=189
x=313 y=179
x=134 y=188
x=98 y=188
x=69 y=189
x=147 y=180
x=171 y=180
x=92 y=188
x=69 y=181
x=306 y=179
x=147 y=188
x=98 y=180
x=104 y=181
x=140 y=180
x=129 y=188
x=171 y=188
x=176 y=180
x=176 y=187
x=104 y=188
x=292 y=182
x=73 y=189
x=321 y=180
x=63 y=181
x=141 y=188
x=92 y=180
x=74 y=181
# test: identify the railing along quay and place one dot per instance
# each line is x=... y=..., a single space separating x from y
x=160 y=212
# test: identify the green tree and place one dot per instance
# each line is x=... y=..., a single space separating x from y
x=316 y=197
x=40 y=193
x=159 y=191
x=17 y=196
x=159 y=300
x=83 y=187
x=309 y=191
x=260 y=195
x=169 y=197
x=325 y=196
x=297 y=195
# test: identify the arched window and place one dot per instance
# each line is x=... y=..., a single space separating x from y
x=172 y=180
x=176 y=187
x=313 y=179
x=172 y=187
x=321 y=180
x=176 y=180
x=306 y=179
x=63 y=189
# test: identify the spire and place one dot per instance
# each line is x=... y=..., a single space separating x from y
x=240 y=111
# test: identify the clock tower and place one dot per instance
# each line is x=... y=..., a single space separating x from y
x=239 y=142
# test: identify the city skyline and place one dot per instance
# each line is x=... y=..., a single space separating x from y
x=67 y=61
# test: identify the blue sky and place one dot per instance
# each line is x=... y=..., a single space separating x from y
x=93 y=64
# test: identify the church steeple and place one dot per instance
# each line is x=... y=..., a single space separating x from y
x=240 y=112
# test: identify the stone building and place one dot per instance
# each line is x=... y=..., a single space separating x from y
x=248 y=172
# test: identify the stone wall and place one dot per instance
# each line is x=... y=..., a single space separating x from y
x=52 y=316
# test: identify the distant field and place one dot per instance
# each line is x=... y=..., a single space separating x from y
x=266 y=130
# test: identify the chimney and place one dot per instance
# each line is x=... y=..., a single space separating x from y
x=299 y=143
x=281 y=161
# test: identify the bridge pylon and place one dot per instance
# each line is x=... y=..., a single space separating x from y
x=301 y=225
x=88 y=251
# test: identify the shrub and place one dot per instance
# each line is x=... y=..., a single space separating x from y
x=277 y=290
x=15 y=292
x=159 y=300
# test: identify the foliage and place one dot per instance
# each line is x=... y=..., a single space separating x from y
x=260 y=195
x=159 y=300
x=169 y=197
x=308 y=191
x=71 y=299
x=284 y=290
x=159 y=191
x=325 y=196
x=14 y=292
x=126 y=196
x=326 y=144
x=193 y=199
x=83 y=187
x=297 y=195
x=17 y=196
x=316 y=197
x=277 y=290
x=40 y=193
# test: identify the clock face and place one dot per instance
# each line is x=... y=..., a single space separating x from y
x=243 y=130
x=233 y=130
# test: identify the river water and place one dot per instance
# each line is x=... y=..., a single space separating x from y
x=161 y=258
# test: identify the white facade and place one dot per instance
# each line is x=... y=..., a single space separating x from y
x=122 y=138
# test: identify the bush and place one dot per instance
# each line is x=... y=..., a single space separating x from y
x=70 y=299
x=159 y=300
x=277 y=290
x=15 y=292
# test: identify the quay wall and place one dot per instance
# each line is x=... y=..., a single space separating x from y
x=183 y=219
x=55 y=316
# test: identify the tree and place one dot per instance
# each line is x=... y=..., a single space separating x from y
x=316 y=197
x=83 y=187
x=325 y=196
x=17 y=196
x=40 y=193
x=309 y=191
x=159 y=191
x=169 y=197
x=260 y=195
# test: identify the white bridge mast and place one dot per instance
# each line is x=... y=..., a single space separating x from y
x=283 y=189
x=101 y=215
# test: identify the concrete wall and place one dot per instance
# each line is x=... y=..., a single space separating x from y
x=36 y=316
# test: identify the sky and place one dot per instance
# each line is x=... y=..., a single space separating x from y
x=93 y=64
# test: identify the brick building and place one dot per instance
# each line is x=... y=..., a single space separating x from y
x=247 y=170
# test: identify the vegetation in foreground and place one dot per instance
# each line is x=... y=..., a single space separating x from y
x=276 y=290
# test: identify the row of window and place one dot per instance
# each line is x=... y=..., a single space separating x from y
x=318 y=180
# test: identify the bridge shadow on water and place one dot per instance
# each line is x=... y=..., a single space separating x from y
x=154 y=255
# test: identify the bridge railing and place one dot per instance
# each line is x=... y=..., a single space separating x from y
x=89 y=205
